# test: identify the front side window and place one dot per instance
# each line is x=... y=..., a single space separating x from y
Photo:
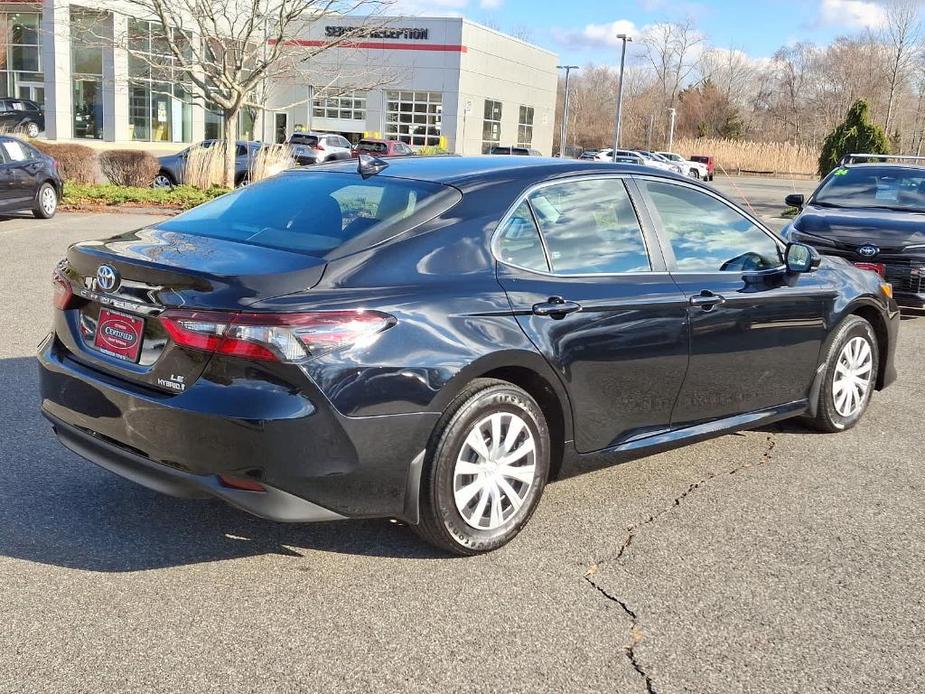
x=519 y=241
x=590 y=227
x=707 y=235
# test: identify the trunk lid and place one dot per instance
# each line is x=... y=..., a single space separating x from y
x=117 y=330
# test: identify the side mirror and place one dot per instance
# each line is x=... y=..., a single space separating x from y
x=801 y=258
x=795 y=200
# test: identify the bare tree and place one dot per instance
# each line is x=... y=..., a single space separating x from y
x=227 y=51
x=901 y=35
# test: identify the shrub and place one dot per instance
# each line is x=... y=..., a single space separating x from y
x=432 y=150
x=76 y=163
x=269 y=161
x=855 y=135
x=128 y=167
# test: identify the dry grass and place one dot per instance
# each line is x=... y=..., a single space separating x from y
x=270 y=160
x=735 y=155
x=205 y=166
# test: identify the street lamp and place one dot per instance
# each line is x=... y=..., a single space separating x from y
x=563 y=133
x=673 y=112
x=616 y=134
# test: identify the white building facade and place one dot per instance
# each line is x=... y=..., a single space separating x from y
x=430 y=82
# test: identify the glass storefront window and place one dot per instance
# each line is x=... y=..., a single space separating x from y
x=414 y=118
x=88 y=30
x=160 y=106
x=525 y=127
x=88 y=108
x=349 y=106
x=20 y=56
x=491 y=125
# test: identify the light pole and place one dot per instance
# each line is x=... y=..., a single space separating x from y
x=563 y=133
x=616 y=134
x=673 y=112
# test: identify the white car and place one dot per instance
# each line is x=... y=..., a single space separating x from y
x=694 y=169
x=658 y=162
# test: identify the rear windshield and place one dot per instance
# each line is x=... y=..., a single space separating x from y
x=373 y=146
x=300 y=139
x=323 y=214
x=886 y=187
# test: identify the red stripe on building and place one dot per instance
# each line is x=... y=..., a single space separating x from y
x=383 y=46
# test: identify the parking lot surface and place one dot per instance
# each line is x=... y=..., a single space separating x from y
x=776 y=560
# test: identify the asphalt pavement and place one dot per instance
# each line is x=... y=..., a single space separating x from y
x=776 y=560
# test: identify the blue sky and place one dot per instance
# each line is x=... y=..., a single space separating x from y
x=580 y=31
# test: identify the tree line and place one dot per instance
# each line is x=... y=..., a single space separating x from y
x=799 y=95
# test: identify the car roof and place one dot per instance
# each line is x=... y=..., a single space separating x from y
x=463 y=172
x=882 y=165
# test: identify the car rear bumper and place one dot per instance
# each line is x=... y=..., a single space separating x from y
x=272 y=504
x=316 y=463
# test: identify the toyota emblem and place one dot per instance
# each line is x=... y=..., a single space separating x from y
x=107 y=278
x=868 y=250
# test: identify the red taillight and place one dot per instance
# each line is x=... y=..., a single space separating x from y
x=319 y=147
x=63 y=293
x=273 y=336
x=241 y=483
x=879 y=268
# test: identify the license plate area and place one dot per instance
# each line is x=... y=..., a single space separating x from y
x=119 y=335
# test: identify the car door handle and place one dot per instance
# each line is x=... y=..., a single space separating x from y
x=557 y=307
x=707 y=300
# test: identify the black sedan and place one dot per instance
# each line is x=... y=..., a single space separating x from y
x=173 y=166
x=29 y=179
x=434 y=338
x=872 y=215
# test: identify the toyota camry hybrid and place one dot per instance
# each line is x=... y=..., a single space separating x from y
x=433 y=339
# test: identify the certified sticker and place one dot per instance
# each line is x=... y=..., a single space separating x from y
x=119 y=335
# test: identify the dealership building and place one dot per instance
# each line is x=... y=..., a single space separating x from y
x=438 y=82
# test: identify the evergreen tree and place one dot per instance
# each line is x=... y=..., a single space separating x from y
x=855 y=135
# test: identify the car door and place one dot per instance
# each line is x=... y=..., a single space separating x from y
x=19 y=173
x=755 y=330
x=588 y=286
x=9 y=119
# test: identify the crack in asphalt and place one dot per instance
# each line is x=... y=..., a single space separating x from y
x=636 y=633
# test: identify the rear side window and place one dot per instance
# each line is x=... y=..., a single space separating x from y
x=373 y=146
x=302 y=139
x=317 y=213
x=590 y=226
x=707 y=235
x=519 y=241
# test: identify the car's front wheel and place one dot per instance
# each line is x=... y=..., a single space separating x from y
x=31 y=129
x=486 y=469
x=695 y=174
x=46 y=201
x=852 y=360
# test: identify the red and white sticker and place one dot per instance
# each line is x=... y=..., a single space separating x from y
x=119 y=335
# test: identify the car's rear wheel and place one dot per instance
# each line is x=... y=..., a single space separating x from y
x=852 y=360
x=486 y=469
x=163 y=180
x=46 y=201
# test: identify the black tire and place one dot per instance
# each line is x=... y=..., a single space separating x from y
x=828 y=418
x=30 y=128
x=441 y=522
x=46 y=201
x=695 y=174
x=163 y=179
x=242 y=180
x=711 y=177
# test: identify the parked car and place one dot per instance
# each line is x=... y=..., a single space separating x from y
x=433 y=338
x=173 y=166
x=708 y=161
x=382 y=148
x=22 y=115
x=872 y=215
x=589 y=155
x=516 y=151
x=319 y=148
x=29 y=179
x=694 y=169
x=659 y=162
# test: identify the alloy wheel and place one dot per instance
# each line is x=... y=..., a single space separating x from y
x=494 y=471
x=162 y=181
x=32 y=129
x=853 y=376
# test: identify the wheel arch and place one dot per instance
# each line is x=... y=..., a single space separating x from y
x=873 y=315
x=531 y=372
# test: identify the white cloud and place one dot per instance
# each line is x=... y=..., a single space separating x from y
x=854 y=14
x=597 y=35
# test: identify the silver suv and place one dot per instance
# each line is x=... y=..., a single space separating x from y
x=318 y=148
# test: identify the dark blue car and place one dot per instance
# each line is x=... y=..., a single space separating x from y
x=433 y=339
